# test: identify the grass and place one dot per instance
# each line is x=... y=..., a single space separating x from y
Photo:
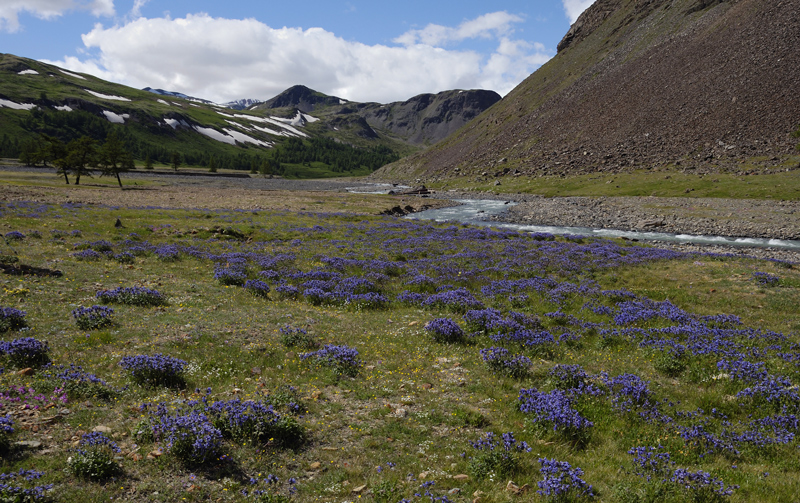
x=414 y=403
x=776 y=184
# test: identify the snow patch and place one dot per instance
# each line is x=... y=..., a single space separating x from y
x=28 y=72
x=72 y=74
x=225 y=115
x=243 y=138
x=172 y=122
x=16 y=106
x=162 y=102
x=115 y=118
x=342 y=102
x=106 y=96
x=230 y=136
x=275 y=121
x=65 y=108
x=309 y=118
x=215 y=135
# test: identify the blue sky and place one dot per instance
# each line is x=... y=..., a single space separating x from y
x=357 y=50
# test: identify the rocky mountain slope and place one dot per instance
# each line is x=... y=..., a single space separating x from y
x=420 y=121
x=689 y=84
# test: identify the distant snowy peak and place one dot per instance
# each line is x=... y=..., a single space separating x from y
x=177 y=95
x=242 y=104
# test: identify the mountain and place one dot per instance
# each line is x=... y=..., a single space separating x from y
x=173 y=94
x=420 y=121
x=311 y=130
x=696 y=85
x=242 y=104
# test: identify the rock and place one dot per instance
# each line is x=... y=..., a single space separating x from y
x=478 y=493
x=255 y=371
x=118 y=223
x=28 y=444
x=422 y=475
x=454 y=490
x=102 y=429
x=426 y=385
x=26 y=372
x=154 y=454
x=513 y=488
x=461 y=477
x=359 y=489
x=400 y=413
x=315 y=465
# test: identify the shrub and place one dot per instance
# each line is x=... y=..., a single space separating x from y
x=189 y=436
x=125 y=258
x=132 y=296
x=14 y=236
x=255 y=421
x=6 y=430
x=459 y=300
x=257 y=288
x=287 y=291
x=76 y=382
x=25 y=352
x=230 y=275
x=9 y=492
x=562 y=482
x=498 y=456
x=296 y=337
x=11 y=319
x=766 y=279
x=87 y=255
x=445 y=330
x=554 y=410
x=501 y=361
x=92 y=318
x=94 y=458
x=155 y=370
x=342 y=359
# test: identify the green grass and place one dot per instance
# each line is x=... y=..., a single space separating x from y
x=232 y=342
x=774 y=184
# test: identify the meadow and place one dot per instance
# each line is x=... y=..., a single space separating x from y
x=277 y=356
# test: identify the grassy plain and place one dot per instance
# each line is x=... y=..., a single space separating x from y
x=776 y=184
x=414 y=403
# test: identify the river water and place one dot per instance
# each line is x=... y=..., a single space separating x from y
x=476 y=212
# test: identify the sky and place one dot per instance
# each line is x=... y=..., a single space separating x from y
x=357 y=50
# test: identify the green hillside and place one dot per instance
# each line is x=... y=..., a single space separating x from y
x=37 y=99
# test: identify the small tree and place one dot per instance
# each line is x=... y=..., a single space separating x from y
x=176 y=161
x=212 y=165
x=148 y=163
x=265 y=169
x=81 y=155
x=113 y=157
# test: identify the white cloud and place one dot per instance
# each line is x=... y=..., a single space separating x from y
x=574 y=8
x=226 y=59
x=489 y=25
x=48 y=9
x=136 y=11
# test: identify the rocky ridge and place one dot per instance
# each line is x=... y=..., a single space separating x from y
x=696 y=85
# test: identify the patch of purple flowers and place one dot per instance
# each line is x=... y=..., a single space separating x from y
x=11 y=492
x=500 y=360
x=25 y=352
x=343 y=359
x=94 y=317
x=134 y=296
x=155 y=370
x=11 y=319
x=445 y=330
x=561 y=481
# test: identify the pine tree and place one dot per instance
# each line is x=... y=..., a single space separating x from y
x=212 y=165
x=113 y=158
x=176 y=161
x=148 y=163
